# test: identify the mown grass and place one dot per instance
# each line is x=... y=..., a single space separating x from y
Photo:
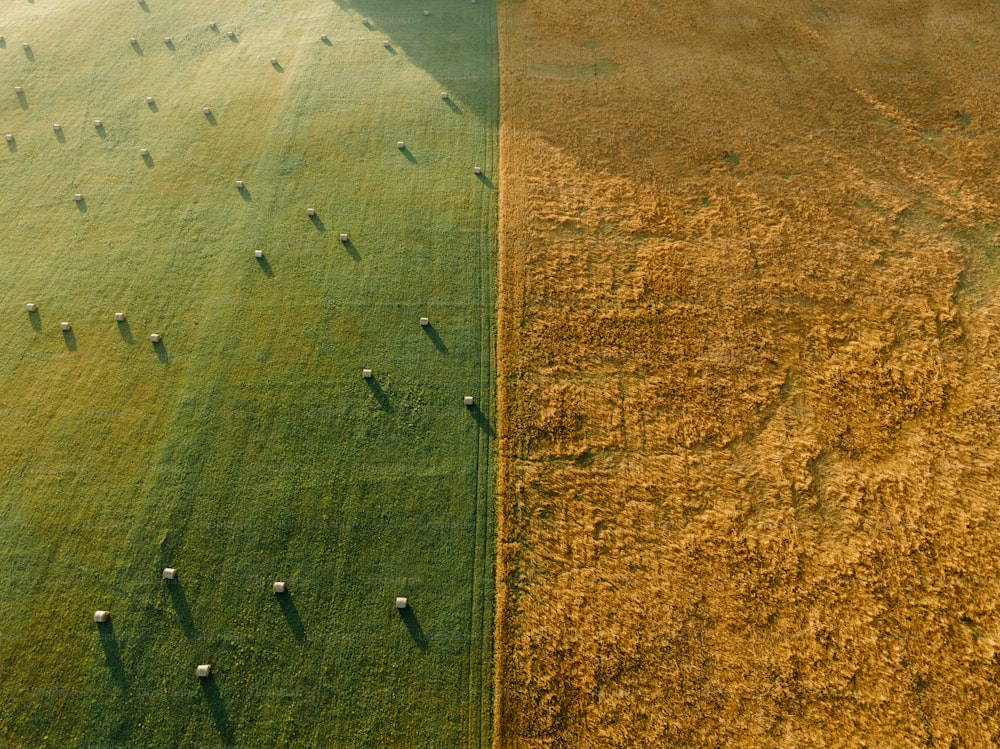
x=247 y=448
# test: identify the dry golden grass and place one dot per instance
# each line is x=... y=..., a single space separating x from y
x=749 y=348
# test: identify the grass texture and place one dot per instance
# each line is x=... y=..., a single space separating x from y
x=246 y=447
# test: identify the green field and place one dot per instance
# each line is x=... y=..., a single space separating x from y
x=246 y=447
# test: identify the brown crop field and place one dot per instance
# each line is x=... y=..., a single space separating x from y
x=749 y=367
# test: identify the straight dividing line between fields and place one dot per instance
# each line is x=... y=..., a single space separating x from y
x=481 y=609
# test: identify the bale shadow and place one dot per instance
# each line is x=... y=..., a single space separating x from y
x=318 y=223
x=112 y=654
x=36 y=320
x=211 y=119
x=234 y=37
x=413 y=627
x=81 y=205
x=181 y=607
x=60 y=135
x=22 y=100
x=486 y=181
x=12 y=145
x=170 y=45
x=147 y=160
x=152 y=106
x=482 y=420
x=390 y=49
x=405 y=150
x=29 y=53
x=69 y=338
x=453 y=106
x=3 y=44
x=380 y=395
x=245 y=194
x=278 y=67
x=265 y=266
x=217 y=707
x=327 y=42
x=352 y=250
x=161 y=352
x=435 y=339
x=125 y=331
x=142 y=4
x=291 y=613
x=138 y=48
x=101 y=132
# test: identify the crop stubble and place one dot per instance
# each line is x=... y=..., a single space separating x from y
x=748 y=351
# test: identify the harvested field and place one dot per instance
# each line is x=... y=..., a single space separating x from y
x=749 y=348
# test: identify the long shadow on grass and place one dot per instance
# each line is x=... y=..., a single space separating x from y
x=352 y=250
x=435 y=339
x=179 y=600
x=408 y=154
x=318 y=223
x=29 y=53
x=265 y=266
x=486 y=181
x=137 y=48
x=60 y=136
x=112 y=655
x=291 y=613
x=12 y=145
x=69 y=338
x=148 y=160
x=161 y=352
x=459 y=50
x=482 y=420
x=36 y=320
x=380 y=394
x=217 y=707
x=22 y=100
x=413 y=627
x=125 y=331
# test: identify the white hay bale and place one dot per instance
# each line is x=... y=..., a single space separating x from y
x=343 y=237
x=274 y=60
x=424 y=322
x=366 y=373
x=323 y=37
x=239 y=184
x=64 y=326
x=258 y=254
x=469 y=400
x=310 y=211
x=166 y=40
x=18 y=90
x=98 y=123
x=444 y=94
x=279 y=587
x=211 y=25
x=206 y=110
x=477 y=170
x=119 y=316
x=401 y=602
x=386 y=43
x=169 y=573
x=131 y=40
x=101 y=616
x=149 y=99
x=144 y=152
x=9 y=136
x=230 y=34
x=56 y=127
x=31 y=307
x=25 y=45
x=156 y=338
x=427 y=12
x=365 y=21
x=78 y=197
x=400 y=145
x=204 y=670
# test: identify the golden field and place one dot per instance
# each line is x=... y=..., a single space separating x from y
x=748 y=374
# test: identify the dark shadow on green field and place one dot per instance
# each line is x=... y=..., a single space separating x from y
x=61 y=137
x=147 y=159
x=12 y=145
x=101 y=132
x=161 y=352
x=482 y=420
x=112 y=654
x=217 y=707
x=352 y=250
x=137 y=48
x=144 y=6
x=81 y=205
x=291 y=612
x=125 y=331
x=152 y=106
x=265 y=266
x=169 y=44
x=435 y=339
x=181 y=607
x=380 y=394
x=318 y=223
x=278 y=67
x=413 y=627
x=486 y=181
x=438 y=42
x=408 y=154
x=210 y=116
x=69 y=338
x=22 y=99
x=36 y=319
x=245 y=194
x=29 y=53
